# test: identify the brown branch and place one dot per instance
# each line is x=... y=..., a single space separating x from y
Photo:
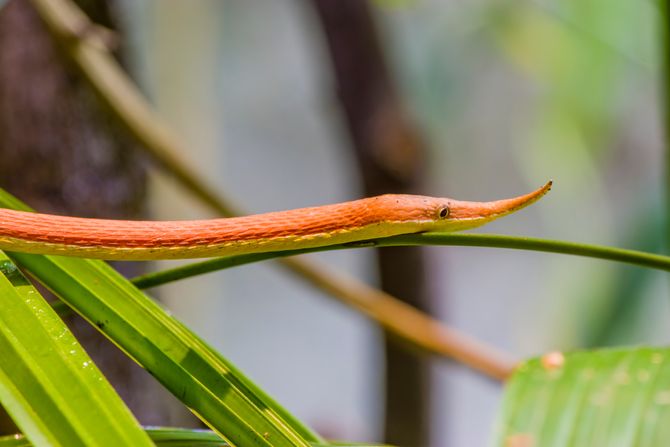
x=389 y=151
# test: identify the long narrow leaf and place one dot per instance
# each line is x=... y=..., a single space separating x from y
x=600 y=398
x=199 y=376
x=177 y=437
x=48 y=384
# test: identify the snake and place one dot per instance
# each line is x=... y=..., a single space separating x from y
x=340 y=223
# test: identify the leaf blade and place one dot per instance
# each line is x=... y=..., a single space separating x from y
x=48 y=384
x=605 y=397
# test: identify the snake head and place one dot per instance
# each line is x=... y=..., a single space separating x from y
x=455 y=215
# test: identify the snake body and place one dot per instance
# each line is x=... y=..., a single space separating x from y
x=357 y=220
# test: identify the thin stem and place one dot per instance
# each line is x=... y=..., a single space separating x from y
x=403 y=320
x=634 y=257
x=70 y=28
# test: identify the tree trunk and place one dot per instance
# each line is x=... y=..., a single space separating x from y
x=61 y=153
x=389 y=153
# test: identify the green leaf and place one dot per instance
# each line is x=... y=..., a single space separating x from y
x=195 y=373
x=48 y=384
x=597 y=398
x=179 y=437
x=176 y=437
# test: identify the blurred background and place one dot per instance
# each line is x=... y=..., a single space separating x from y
x=480 y=100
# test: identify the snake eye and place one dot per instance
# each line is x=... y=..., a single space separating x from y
x=444 y=212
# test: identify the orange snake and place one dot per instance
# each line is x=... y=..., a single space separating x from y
x=358 y=220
